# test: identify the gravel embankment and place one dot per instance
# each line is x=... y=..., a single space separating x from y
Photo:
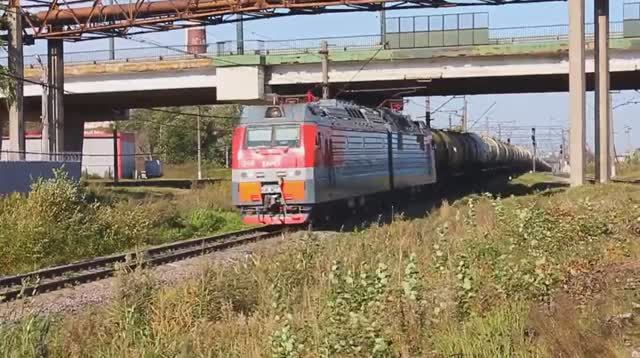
x=96 y=293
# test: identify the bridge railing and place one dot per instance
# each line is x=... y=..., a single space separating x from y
x=505 y=35
x=553 y=33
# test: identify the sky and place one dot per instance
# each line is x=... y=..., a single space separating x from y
x=548 y=112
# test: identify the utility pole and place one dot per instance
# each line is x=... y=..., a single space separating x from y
x=324 y=52
x=563 y=147
x=450 y=121
x=427 y=114
x=240 y=35
x=112 y=43
x=465 y=113
x=199 y=145
x=627 y=131
x=535 y=148
x=383 y=26
x=499 y=131
x=226 y=155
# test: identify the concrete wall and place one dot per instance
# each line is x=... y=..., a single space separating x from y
x=241 y=83
x=97 y=150
x=102 y=163
x=97 y=154
x=18 y=176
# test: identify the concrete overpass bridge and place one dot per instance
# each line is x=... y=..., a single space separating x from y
x=514 y=60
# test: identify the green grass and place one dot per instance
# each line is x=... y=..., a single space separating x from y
x=628 y=171
x=531 y=179
x=60 y=222
x=189 y=170
x=480 y=277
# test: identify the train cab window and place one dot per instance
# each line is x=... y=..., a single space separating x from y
x=286 y=136
x=259 y=137
x=273 y=136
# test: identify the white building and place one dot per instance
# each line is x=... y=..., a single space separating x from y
x=97 y=152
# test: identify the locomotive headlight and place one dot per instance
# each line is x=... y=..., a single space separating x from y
x=295 y=173
x=243 y=175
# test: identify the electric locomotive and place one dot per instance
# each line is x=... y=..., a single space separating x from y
x=290 y=160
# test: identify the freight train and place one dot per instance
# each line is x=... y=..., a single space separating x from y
x=291 y=161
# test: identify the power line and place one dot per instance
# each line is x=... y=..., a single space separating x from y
x=186 y=113
x=344 y=88
x=444 y=104
x=483 y=114
x=180 y=126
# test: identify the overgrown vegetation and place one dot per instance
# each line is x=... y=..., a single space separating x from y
x=171 y=133
x=189 y=169
x=542 y=275
x=59 y=222
x=630 y=168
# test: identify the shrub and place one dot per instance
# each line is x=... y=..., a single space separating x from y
x=206 y=220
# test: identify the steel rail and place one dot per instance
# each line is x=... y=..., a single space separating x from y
x=55 y=278
x=634 y=181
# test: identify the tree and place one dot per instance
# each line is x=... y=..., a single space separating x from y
x=170 y=133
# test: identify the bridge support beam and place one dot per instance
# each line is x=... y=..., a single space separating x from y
x=55 y=100
x=602 y=108
x=577 y=85
x=16 y=69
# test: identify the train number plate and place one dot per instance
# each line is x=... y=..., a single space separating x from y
x=270 y=189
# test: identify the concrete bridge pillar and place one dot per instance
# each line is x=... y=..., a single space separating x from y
x=55 y=98
x=16 y=69
x=577 y=86
x=602 y=108
x=74 y=132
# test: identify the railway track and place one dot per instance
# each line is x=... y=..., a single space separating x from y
x=59 y=277
x=617 y=180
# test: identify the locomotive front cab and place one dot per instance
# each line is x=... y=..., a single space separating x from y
x=271 y=174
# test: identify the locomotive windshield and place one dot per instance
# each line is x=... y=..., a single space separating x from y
x=273 y=136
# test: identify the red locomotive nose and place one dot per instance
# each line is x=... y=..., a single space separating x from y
x=272 y=151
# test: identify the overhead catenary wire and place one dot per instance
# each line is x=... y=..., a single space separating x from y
x=346 y=85
x=483 y=114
